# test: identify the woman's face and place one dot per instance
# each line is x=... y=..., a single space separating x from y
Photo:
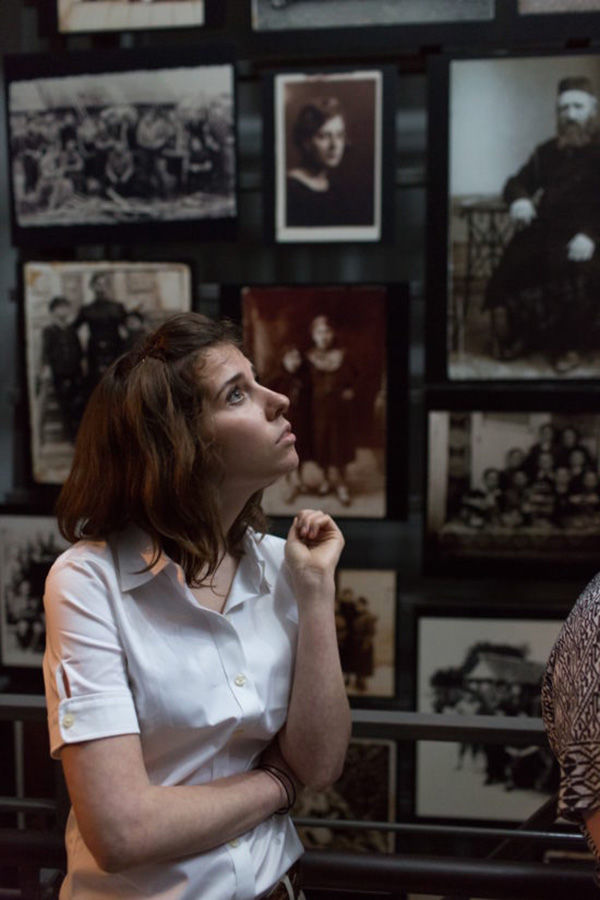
x=325 y=148
x=322 y=334
x=246 y=421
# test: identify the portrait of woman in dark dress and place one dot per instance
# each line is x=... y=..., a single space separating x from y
x=319 y=136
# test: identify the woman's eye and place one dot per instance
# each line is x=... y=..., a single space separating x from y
x=235 y=395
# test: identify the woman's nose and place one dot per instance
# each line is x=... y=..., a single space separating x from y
x=277 y=404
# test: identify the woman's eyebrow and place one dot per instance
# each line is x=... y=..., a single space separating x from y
x=233 y=379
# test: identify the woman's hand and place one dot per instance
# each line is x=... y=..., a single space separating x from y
x=313 y=548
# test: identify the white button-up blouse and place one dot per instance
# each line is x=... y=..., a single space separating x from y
x=205 y=691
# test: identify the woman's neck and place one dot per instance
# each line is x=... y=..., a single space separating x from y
x=316 y=181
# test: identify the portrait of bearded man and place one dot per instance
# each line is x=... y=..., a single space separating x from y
x=541 y=296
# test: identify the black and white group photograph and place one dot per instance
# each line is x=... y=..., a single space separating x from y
x=520 y=486
x=366 y=792
x=365 y=618
x=28 y=547
x=324 y=347
x=482 y=665
x=144 y=147
x=279 y=15
x=534 y=7
x=126 y=15
x=328 y=156
x=524 y=218
x=79 y=317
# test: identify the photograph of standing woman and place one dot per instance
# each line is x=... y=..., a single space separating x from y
x=328 y=156
x=324 y=347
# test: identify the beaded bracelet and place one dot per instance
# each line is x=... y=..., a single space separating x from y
x=285 y=781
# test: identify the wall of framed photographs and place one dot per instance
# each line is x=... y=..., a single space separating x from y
x=155 y=160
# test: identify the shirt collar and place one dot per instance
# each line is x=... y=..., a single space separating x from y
x=134 y=552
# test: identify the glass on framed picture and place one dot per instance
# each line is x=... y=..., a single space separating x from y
x=366 y=791
x=482 y=663
x=79 y=317
x=366 y=628
x=29 y=544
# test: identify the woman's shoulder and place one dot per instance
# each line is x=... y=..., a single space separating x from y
x=82 y=556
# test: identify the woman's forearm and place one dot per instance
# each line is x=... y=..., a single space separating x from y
x=316 y=734
x=126 y=821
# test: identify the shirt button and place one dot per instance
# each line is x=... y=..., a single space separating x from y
x=234 y=843
x=68 y=720
x=240 y=680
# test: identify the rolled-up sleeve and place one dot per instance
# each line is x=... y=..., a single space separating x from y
x=85 y=672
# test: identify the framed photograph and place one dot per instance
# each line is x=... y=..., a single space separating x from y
x=121 y=146
x=366 y=628
x=305 y=27
x=29 y=544
x=325 y=347
x=366 y=791
x=79 y=316
x=514 y=250
x=555 y=20
x=329 y=145
x=128 y=15
x=551 y=7
x=515 y=480
x=482 y=663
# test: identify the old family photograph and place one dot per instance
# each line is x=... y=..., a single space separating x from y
x=517 y=485
x=79 y=317
x=144 y=146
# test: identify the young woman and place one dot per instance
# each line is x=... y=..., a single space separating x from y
x=191 y=668
x=314 y=197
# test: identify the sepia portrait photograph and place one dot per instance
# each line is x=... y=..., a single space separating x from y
x=280 y=15
x=99 y=154
x=28 y=547
x=365 y=619
x=328 y=156
x=366 y=792
x=523 y=268
x=324 y=347
x=79 y=317
x=519 y=486
x=531 y=7
x=128 y=15
x=482 y=665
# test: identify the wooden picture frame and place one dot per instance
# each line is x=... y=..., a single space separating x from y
x=510 y=301
x=78 y=317
x=122 y=145
x=338 y=122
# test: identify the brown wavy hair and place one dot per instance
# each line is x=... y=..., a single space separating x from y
x=144 y=453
